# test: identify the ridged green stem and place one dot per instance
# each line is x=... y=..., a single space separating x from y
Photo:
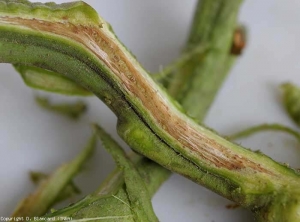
x=199 y=79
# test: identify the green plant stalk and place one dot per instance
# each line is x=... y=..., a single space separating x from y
x=86 y=50
x=39 y=202
x=199 y=79
x=66 y=193
x=264 y=127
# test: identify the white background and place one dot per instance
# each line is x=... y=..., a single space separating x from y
x=155 y=31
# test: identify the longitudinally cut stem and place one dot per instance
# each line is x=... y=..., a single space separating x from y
x=112 y=191
x=79 y=44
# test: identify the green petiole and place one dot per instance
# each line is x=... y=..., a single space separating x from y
x=49 y=190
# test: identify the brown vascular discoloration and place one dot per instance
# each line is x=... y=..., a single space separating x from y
x=136 y=84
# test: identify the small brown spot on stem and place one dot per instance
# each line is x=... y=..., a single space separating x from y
x=239 y=41
x=232 y=206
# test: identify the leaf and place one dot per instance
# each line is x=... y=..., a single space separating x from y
x=39 y=202
x=69 y=191
x=42 y=79
x=110 y=202
x=136 y=189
